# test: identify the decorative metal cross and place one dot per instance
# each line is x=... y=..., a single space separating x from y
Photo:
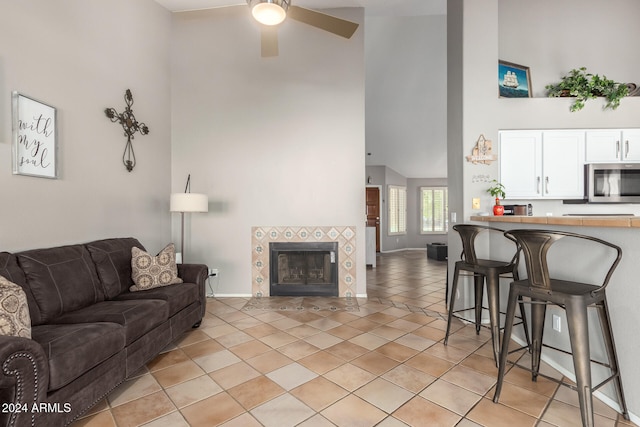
x=130 y=126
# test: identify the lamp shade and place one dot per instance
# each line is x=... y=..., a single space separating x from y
x=269 y=12
x=189 y=202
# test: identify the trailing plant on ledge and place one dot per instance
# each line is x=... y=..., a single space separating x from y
x=584 y=86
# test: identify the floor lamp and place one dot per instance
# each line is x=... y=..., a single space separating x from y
x=187 y=202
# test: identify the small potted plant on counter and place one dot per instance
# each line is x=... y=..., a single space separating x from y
x=497 y=191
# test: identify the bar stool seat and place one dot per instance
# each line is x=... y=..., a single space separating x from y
x=575 y=297
x=483 y=270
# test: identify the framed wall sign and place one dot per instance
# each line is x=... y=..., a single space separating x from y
x=34 y=137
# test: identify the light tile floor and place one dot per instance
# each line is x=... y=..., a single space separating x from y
x=384 y=365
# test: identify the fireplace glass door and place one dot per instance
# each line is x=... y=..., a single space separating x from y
x=303 y=269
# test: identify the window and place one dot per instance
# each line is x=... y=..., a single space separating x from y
x=434 y=210
x=397 y=210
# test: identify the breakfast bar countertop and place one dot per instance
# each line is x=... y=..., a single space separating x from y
x=573 y=220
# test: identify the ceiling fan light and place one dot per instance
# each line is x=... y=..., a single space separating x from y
x=269 y=12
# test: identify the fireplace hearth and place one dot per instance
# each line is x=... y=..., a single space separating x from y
x=303 y=268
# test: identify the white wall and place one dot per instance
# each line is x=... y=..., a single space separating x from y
x=272 y=141
x=80 y=57
x=601 y=39
x=475 y=45
x=406 y=97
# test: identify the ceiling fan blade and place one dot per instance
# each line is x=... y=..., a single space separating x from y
x=269 y=41
x=340 y=27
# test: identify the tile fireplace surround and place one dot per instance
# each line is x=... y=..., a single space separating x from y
x=262 y=236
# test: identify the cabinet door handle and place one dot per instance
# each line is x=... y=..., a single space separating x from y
x=546 y=184
x=618 y=150
x=626 y=149
x=538 y=185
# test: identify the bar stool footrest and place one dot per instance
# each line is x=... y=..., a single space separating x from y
x=555 y=380
x=484 y=325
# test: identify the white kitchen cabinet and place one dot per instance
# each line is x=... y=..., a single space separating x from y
x=521 y=163
x=612 y=145
x=542 y=164
x=563 y=164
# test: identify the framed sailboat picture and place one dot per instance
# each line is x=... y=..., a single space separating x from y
x=513 y=80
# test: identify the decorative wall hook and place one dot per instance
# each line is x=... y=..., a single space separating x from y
x=130 y=126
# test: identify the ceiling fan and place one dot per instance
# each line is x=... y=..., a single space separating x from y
x=270 y=13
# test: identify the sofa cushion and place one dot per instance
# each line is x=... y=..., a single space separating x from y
x=14 y=311
x=10 y=269
x=112 y=258
x=177 y=297
x=74 y=349
x=150 y=272
x=137 y=316
x=62 y=279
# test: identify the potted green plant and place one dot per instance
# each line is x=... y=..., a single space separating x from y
x=497 y=190
x=584 y=86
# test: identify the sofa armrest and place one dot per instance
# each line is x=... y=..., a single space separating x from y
x=24 y=379
x=193 y=273
x=198 y=274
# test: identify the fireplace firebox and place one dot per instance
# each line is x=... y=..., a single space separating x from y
x=303 y=268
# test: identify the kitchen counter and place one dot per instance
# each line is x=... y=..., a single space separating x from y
x=578 y=221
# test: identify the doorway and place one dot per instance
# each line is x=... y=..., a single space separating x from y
x=373 y=212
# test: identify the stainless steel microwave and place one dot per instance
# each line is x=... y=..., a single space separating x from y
x=613 y=183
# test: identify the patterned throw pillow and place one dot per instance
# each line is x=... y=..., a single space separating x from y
x=150 y=272
x=14 y=311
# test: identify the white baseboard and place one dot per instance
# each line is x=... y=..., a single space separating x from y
x=404 y=249
x=232 y=295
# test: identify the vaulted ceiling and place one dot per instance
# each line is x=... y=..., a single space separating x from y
x=405 y=88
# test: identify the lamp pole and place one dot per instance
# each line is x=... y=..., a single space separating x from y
x=182 y=238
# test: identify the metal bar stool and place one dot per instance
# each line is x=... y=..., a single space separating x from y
x=575 y=298
x=483 y=270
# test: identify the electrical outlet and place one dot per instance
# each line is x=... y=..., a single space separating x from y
x=475 y=203
x=557 y=323
x=213 y=272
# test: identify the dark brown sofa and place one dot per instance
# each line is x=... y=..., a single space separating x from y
x=89 y=332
